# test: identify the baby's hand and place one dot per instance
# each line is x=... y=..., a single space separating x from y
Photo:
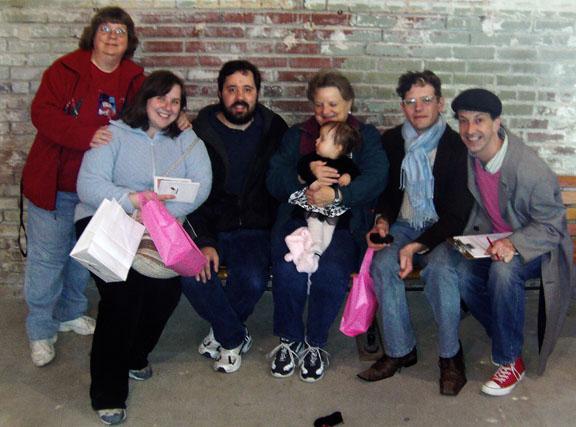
x=344 y=180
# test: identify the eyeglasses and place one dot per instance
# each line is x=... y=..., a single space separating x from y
x=426 y=100
x=120 y=32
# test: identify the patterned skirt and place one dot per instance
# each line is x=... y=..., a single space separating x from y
x=333 y=210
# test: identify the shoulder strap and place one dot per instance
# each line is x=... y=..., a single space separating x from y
x=22 y=227
x=190 y=147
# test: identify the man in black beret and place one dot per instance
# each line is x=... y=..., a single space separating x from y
x=518 y=195
x=425 y=202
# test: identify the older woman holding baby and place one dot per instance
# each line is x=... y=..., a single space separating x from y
x=324 y=290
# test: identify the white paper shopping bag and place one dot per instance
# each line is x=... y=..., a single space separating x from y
x=109 y=242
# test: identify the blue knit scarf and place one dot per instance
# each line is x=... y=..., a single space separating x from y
x=416 y=173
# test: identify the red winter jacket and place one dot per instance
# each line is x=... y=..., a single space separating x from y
x=64 y=111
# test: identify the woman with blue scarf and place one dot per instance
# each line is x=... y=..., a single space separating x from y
x=425 y=202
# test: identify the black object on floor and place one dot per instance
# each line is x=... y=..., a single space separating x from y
x=329 y=420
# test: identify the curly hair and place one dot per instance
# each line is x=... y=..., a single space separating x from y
x=418 y=78
x=114 y=15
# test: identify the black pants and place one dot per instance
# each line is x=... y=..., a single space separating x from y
x=131 y=318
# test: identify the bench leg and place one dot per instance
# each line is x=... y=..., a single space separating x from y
x=369 y=344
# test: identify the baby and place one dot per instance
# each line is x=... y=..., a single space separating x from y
x=333 y=146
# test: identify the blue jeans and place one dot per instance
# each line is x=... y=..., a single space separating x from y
x=246 y=255
x=54 y=283
x=441 y=290
x=494 y=293
x=327 y=291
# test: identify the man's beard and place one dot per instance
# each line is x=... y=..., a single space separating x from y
x=236 y=119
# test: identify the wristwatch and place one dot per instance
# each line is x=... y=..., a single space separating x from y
x=336 y=195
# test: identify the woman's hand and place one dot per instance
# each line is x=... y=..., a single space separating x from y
x=325 y=174
x=320 y=195
x=101 y=137
x=183 y=122
x=161 y=198
x=212 y=258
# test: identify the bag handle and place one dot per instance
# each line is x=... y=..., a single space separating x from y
x=177 y=162
x=365 y=267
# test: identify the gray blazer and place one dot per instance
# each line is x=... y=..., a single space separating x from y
x=530 y=202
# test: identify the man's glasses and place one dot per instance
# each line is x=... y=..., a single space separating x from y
x=426 y=100
x=120 y=32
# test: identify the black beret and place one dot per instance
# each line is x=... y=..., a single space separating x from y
x=480 y=100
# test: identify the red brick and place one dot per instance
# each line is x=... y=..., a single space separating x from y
x=228 y=32
x=295 y=76
x=330 y=19
x=179 y=17
x=176 y=61
x=188 y=31
x=211 y=61
x=543 y=137
x=270 y=62
x=202 y=90
x=206 y=46
x=146 y=31
x=288 y=105
x=315 y=62
x=244 y=18
x=284 y=18
x=251 y=47
x=150 y=46
x=299 y=48
x=313 y=35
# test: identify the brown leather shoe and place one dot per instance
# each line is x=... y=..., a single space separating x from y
x=387 y=366
x=452 y=374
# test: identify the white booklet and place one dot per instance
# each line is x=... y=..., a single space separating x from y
x=475 y=246
x=183 y=188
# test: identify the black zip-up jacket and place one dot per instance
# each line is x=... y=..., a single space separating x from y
x=452 y=199
x=222 y=211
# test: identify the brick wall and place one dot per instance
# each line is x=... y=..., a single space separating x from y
x=525 y=51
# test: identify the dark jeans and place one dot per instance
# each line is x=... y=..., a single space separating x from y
x=327 y=291
x=246 y=255
x=131 y=318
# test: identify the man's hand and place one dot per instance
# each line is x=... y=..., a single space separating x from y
x=319 y=195
x=502 y=250
x=183 y=122
x=101 y=137
x=324 y=174
x=212 y=256
x=406 y=257
x=382 y=228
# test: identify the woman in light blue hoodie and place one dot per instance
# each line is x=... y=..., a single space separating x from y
x=132 y=314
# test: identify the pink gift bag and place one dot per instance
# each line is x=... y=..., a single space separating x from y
x=174 y=245
x=362 y=302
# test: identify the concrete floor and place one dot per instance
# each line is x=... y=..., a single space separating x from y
x=184 y=390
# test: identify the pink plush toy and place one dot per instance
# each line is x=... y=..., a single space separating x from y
x=300 y=244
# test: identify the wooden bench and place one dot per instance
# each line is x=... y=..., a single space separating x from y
x=568 y=187
x=370 y=344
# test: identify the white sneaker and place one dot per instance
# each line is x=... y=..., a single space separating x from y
x=209 y=347
x=42 y=351
x=112 y=417
x=229 y=361
x=84 y=325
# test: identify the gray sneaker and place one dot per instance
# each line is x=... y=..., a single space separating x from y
x=229 y=360
x=209 y=347
x=42 y=352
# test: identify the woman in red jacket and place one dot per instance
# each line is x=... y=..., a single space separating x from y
x=78 y=95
